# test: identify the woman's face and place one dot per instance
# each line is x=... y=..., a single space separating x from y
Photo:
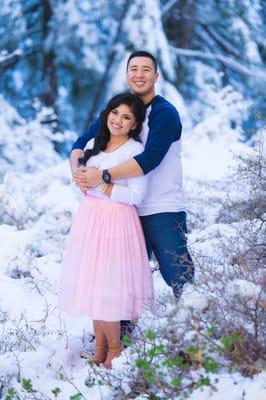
x=121 y=120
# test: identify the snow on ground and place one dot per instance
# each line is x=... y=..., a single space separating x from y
x=43 y=345
x=234 y=387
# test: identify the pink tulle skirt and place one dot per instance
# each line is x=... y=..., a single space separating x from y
x=105 y=272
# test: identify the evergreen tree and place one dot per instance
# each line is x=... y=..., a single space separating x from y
x=227 y=37
x=70 y=54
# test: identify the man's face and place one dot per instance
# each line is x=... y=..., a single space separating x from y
x=141 y=76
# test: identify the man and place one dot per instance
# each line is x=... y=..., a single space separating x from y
x=163 y=211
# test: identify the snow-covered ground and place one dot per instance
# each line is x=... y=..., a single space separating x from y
x=37 y=205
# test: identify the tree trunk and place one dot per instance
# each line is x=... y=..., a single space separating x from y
x=179 y=22
x=49 y=75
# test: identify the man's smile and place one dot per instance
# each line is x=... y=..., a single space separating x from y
x=139 y=83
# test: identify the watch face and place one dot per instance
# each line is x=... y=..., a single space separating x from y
x=106 y=176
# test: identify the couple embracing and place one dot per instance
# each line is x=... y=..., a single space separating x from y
x=128 y=165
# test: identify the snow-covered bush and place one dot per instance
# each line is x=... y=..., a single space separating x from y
x=25 y=146
x=231 y=264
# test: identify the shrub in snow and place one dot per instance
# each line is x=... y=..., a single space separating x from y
x=234 y=276
x=25 y=146
x=171 y=355
x=17 y=202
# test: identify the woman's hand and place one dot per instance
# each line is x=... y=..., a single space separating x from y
x=87 y=178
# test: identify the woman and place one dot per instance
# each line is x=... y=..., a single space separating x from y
x=105 y=272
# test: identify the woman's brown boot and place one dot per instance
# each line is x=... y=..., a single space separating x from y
x=101 y=345
x=113 y=352
x=98 y=357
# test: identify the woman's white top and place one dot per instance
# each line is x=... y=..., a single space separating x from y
x=128 y=190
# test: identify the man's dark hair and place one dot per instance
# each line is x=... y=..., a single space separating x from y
x=143 y=53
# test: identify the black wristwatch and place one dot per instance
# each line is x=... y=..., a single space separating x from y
x=106 y=177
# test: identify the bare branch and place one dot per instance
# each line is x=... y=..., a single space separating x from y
x=9 y=60
x=167 y=7
x=223 y=42
x=227 y=61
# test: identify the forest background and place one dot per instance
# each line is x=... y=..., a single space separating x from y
x=60 y=61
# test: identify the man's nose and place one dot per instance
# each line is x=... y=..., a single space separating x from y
x=139 y=73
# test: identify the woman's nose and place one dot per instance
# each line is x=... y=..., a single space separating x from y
x=118 y=118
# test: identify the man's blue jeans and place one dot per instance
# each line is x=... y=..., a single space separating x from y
x=166 y=236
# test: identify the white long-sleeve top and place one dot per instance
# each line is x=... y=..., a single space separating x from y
x=128 y=190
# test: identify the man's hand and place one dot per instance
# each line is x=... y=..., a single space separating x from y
x=87 y=178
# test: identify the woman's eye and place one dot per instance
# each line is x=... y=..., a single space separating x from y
x=114 y=112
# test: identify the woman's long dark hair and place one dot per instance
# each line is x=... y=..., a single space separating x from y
x=103 y=136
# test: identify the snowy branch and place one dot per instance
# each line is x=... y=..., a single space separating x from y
x=207 y=40
x=9 y=60
x=227 y=61
x=222 y=41
x=167 y=7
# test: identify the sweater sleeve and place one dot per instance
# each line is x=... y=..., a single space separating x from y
x=134 y=191
x=89 y=134
x=164 y=129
